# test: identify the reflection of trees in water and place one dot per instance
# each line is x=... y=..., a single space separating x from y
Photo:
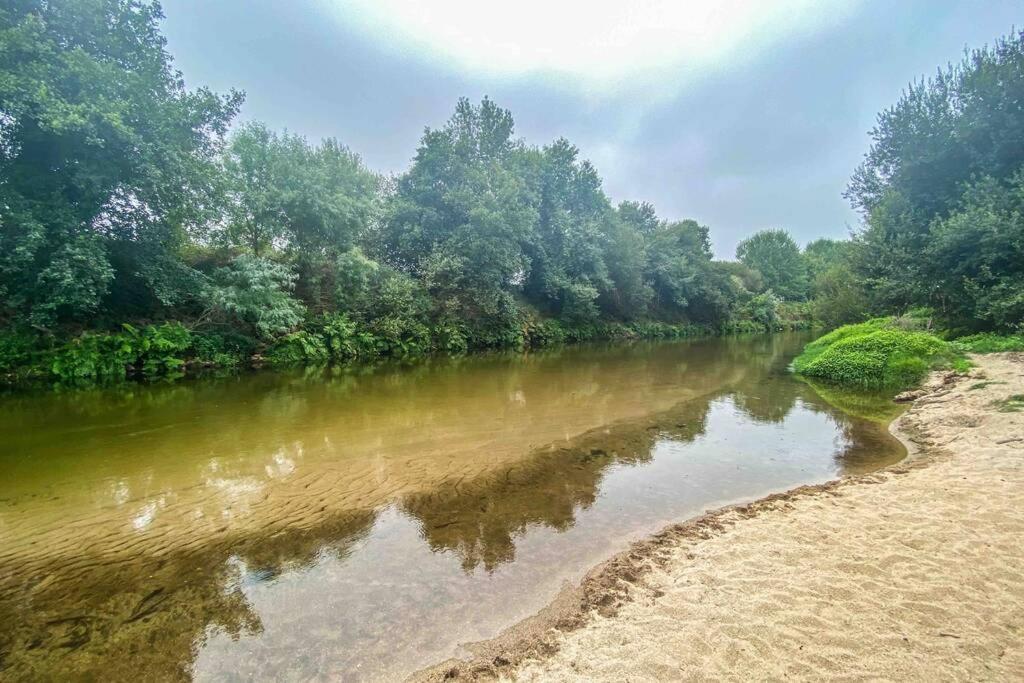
x=98 y=618
x=863 y=418
x=480 y=520
x=91 y=617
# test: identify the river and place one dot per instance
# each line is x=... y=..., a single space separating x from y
x=361 y=523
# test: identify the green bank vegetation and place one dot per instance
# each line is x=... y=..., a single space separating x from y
x=942 y=194
x=142 y=233
x=881 y=353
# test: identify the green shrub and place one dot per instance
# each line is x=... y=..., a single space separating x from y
x=450 y=338
x=816 y=347
x=22 y=354
x=224 y=350
x=91 y=357
x=159 y=349
x=874 y=354
x=298 y=348
x=256 y=292
x=988 y=342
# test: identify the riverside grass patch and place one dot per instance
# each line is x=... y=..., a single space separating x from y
x=877 y=354
x=989 y=342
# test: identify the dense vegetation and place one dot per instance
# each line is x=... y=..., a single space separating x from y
x=140 y=232
x=942 y=192
x=882 y=353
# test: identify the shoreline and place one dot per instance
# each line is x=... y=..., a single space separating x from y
x=23 y=381
x=545 y=646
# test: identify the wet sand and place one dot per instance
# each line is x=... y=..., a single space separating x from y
x=912 y=573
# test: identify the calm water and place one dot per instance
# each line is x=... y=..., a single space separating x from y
x=362 y=524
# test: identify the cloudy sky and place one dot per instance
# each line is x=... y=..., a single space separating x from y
x=741 y=115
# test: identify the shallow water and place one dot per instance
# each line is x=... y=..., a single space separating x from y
x=361 y=524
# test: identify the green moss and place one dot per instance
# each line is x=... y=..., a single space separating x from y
x=876 y=354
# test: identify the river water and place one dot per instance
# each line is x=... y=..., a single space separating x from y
x=360 y=524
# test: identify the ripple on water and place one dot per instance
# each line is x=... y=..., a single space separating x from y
x=364 y=524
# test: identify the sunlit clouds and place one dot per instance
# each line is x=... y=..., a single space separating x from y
x=595 y=41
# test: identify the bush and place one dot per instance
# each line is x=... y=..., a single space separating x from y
x=21 y=354
x=875 y=354
x=299 y=348
x=450 y=338
x=764 y=309
x=154 y=350
x=91 y=357
x=160 y=349
x=224 y=350
x=256 y=292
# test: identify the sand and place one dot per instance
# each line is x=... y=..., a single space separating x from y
x=912 y=573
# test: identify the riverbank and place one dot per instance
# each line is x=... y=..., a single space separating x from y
x=174 y=350
x=911 y=572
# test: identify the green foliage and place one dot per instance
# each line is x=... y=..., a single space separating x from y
x=299 y=348
x=160 y=349
x=774 y=254
x=255 y=292
x=310 y=202
x=153 y=350
x=94 y=357
x=1011 y=404
x=988 y=342
x=764 y=309
x=221 y=350
x=942 y=192
x=124 y=199
x=876 y=354
x=23 y=355
x=102 y=146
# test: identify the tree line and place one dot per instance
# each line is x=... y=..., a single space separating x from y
x=134 y=217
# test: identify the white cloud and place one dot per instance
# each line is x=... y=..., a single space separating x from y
x=593 y=41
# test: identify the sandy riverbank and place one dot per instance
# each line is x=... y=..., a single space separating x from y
x=915 y=572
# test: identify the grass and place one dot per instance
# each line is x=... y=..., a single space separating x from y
x=877 y=354
x=1011 y=404
x=982 y=385
x=989 y=342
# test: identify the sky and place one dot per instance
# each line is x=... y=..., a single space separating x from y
x=741 y=114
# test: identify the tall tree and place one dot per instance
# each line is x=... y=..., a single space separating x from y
x=777 y=257
x=460 y=217
x=102 y=150
x=943 y=152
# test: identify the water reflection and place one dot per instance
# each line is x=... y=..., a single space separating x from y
x=361 y=524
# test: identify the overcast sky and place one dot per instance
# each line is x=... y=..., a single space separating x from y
x=739 y=115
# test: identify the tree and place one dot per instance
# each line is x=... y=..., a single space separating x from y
x=945 y=158
x=976 y=256
x=101 y=147
x=567 y=265
x=837 y=294
x=775 y=255
x=640 y=216
x=686 y=283
x=313 y=202
x=460 y=217
x=822 y=254
x=625 y=256
x=256 y=292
